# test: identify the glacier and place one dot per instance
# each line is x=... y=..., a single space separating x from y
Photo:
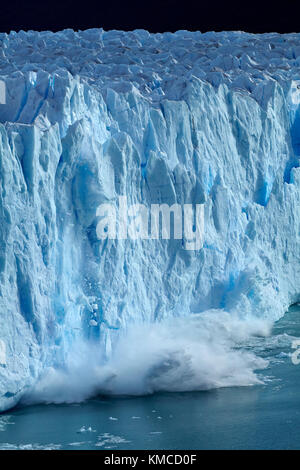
x=186 y=117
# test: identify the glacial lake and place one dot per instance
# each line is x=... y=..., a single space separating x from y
x=263 y=416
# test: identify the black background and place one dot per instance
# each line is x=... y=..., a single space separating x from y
x=155 y=16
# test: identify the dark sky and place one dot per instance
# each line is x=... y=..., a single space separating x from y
x=156 y=16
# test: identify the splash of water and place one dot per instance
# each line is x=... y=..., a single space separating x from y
x=198 y=352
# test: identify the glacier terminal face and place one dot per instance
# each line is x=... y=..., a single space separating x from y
x=191 y=118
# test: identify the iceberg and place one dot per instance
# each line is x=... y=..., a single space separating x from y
x=172 y=118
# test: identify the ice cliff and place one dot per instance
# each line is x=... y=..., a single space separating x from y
x=161 y=118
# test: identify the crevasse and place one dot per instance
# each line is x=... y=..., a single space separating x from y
x=161 y=118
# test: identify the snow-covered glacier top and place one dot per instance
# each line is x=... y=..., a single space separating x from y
x=158 y=65
x=90 y=116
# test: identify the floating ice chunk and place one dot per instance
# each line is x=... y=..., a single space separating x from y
x=84 y=429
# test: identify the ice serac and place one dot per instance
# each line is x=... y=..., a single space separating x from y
x=161 y=118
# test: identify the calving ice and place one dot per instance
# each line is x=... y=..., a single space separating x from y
x=137 y=221
x=108 y=164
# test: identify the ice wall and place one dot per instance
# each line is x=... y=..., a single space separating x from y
x=164 y=118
